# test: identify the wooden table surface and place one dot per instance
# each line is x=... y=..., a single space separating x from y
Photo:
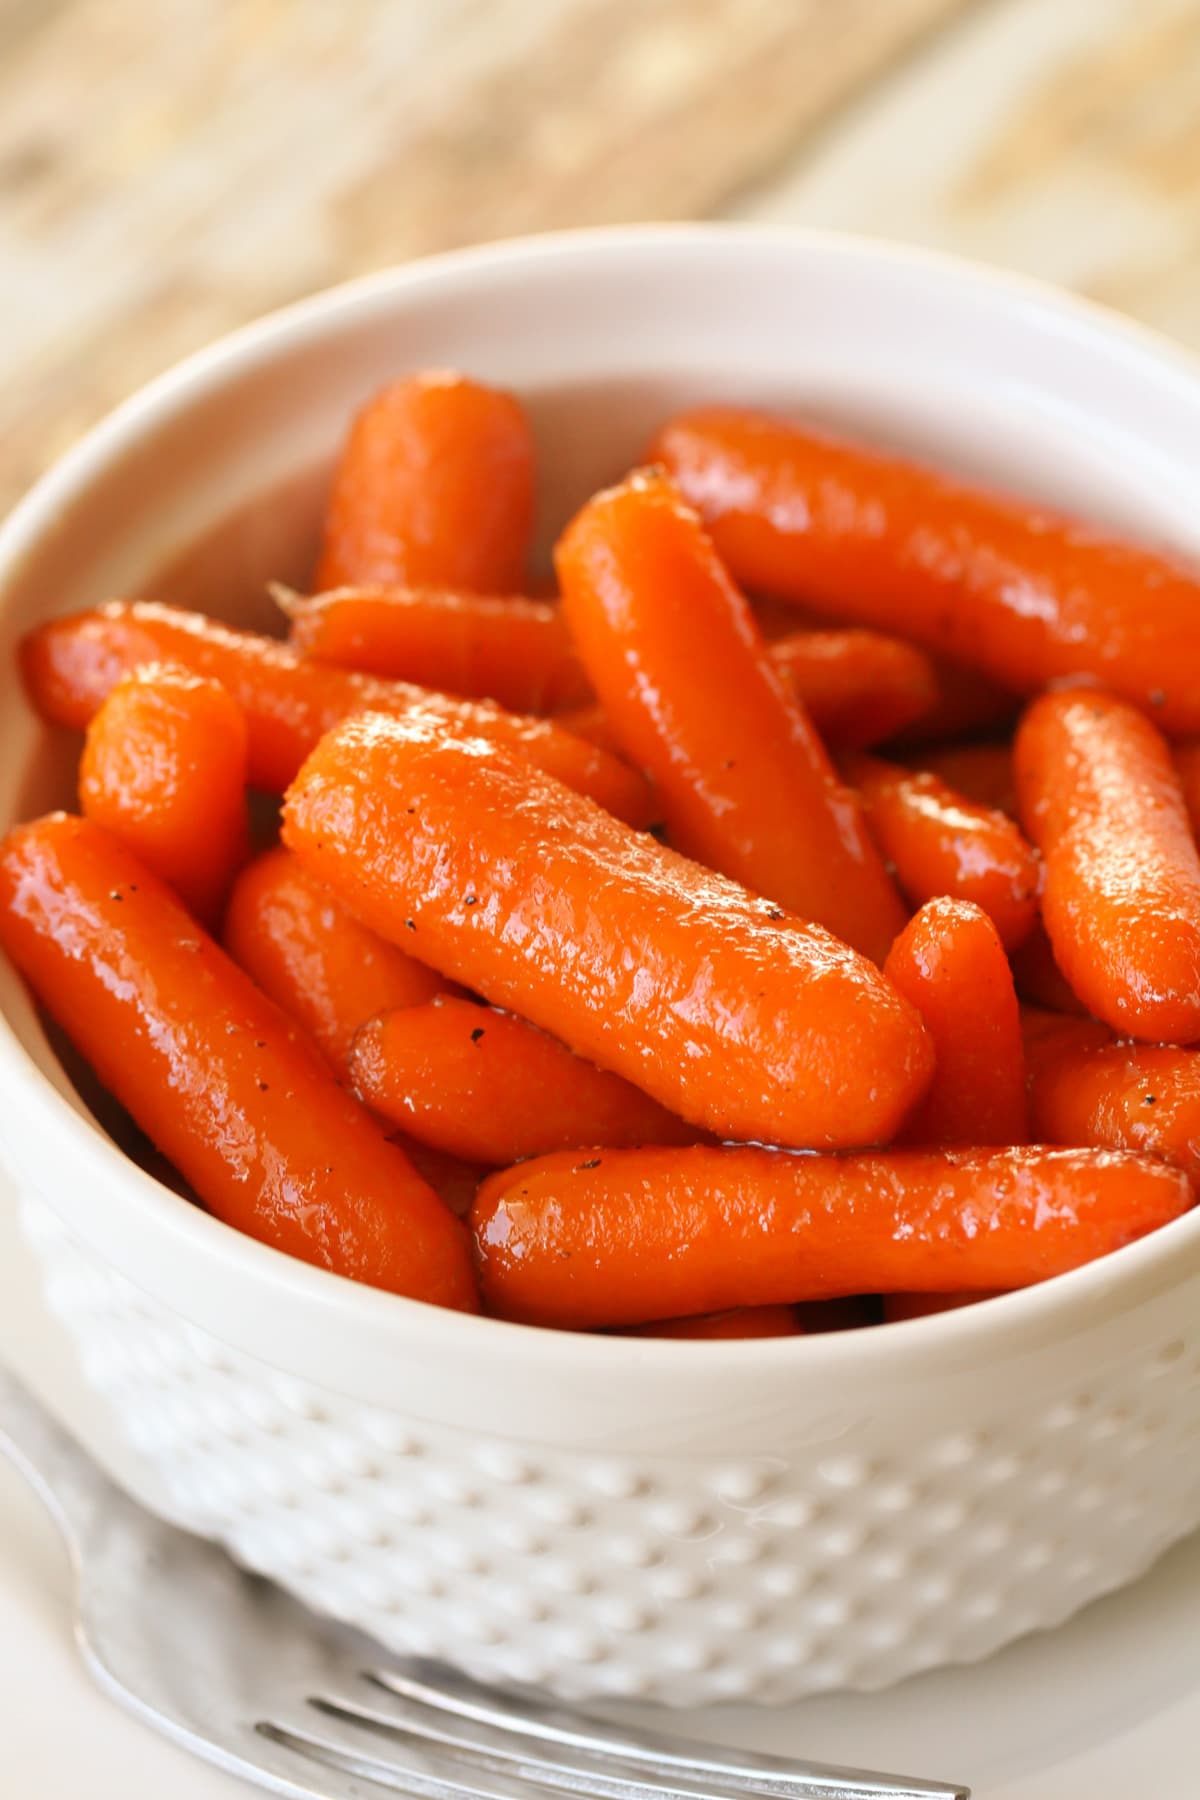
x=170 y=170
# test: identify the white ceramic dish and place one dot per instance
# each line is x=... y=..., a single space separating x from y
x=686 y=1522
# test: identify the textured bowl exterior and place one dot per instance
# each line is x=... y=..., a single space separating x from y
x=850 y=1560
x=679 y=1522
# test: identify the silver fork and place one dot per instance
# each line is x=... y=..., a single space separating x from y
x=234 y=1670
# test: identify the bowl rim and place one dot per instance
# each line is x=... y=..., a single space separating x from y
x=1120 y=1279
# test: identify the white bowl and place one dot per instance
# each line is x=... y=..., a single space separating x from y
x=685 y=1522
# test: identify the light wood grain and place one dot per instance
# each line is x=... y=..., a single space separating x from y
x=168 y=172
x=1060 y=137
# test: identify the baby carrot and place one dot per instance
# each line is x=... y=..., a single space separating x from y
x=453 y=1180
x=164 y=769
x=1086 y=1089
x=680 y=668
x=628 y=1235
x=1099 y=794
x=858 y=687
x=1039 y=979
x=950 y=963
x=739 y=1322
x=70 y=665
x=212 y=1072
x=434 y=488
x=489 y=1087
x=498 y=647
x=314 y=959
x=737 y=1017
x=919 y=1306
x=939 y=842
x=1020 y=592
x=1187 y=767
x=982 y=773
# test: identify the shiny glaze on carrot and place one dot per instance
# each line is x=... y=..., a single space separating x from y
x=434 y=488
x=683 y=674
x=214 y=1074
x=490 y=1087
x=499 y=647
x=1008 y=586
x=313 y=957
x=741 y=1019
x=1099 y=794
x=858 y=687
x=164 y=769
x=939 y=842
x=625 y=1236
x=70 y=665
x=949 y=962
x=1085 y=1088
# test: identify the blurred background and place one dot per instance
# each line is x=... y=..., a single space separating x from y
x=170 y=168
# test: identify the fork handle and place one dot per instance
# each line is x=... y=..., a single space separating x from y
x=68 y=1482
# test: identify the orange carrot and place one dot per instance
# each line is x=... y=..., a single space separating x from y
x=1039 y=979
x=710 y=999
x=455 y=1181
x=1099 y=794
x=304 y=949
x=1022 y=593
x=939 y=842
x=71 y=665
x=631 y=1235
x=681 y=670
x=919 y=1306
x=1187 y=767
x=499 y=647
x=967 y=704
x=949 y=962
x=164 y=769
x=739 y=1322
x=434 y=488
x=982 y=773
x=858 y=687
x=212 y=1072
x=489 y=1087
x=1086 y=1089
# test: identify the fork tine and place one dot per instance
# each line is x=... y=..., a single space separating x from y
x=518 y=1719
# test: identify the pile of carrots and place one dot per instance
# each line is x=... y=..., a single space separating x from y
x=792 y=920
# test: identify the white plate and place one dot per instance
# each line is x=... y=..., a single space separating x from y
x=1107 y=1708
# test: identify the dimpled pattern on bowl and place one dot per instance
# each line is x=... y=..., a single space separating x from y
x=682 y=1580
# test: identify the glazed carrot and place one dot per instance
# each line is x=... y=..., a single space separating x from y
x=1187 y=767
x=212 y=1072
x=939 y=842
x=303 y=948
x=453 y=1180
x=858 y=687
x=919 y=1306
x=1086 y=1089
x=713 y=1001
x=1099 y=794
x=949 y=962
x=982 y=773
x=681 y=670
x=629 y=1235
x=1022 y=593
x=489 y=1087
x=1039 y=979
x=164 y=769
x=70 y=665
x=967 y=704
x=499 y=647
x=739 y=1322
x=434 y=488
